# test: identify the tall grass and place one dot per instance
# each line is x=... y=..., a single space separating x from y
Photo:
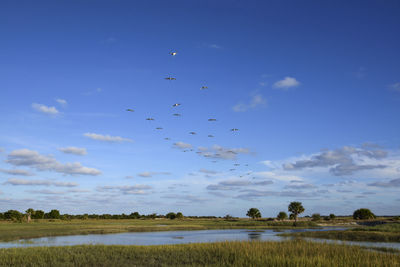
x=288 y=253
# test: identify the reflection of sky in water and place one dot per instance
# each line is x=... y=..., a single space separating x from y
x=171 y=237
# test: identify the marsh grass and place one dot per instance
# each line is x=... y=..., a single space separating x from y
x=389 y=232
x=14 y=231
x=245 y=253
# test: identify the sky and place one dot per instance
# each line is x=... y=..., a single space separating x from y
x=312 y=87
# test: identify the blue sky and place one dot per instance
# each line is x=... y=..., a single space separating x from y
x=313 y=87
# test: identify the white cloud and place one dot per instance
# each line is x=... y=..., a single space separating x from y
x=395 y=86
x=62 y=102
x=257 y=100
x=286 y=83
x=107 y=138
x=73 y=150
x=220 y=152
x=276 y=176
x=45 y=109
x=31 y=158
x=1 y=150
x=127 y=189
x=182 y=145
x=150 y=174
x=13 y=181
x=17 y=172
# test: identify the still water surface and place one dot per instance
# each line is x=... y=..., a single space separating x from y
x=175 y=237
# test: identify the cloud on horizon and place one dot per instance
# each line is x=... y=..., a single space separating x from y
x=107 y=138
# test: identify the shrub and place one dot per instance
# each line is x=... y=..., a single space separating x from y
x=363 y=214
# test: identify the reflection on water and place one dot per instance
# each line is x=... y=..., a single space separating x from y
x=175 y=237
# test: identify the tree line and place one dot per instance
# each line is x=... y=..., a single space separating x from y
x=30 y=214
x=296 y=208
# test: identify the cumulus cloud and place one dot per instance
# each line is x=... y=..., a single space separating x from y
x=1 y=149
x=276 y=176
x=13 y=181
x=391 y=183
x=208 y=171
x=127 y=189
x=395 y=87
x=340 y=161
x=62 y=102
x=300 y=186
x=220 y=152
x=186 y=199
x=107 y=138
x=286 y=83
x=235 y=184
x=182 y=145
x=73 y=150
x=151 y=174
x=31 y=158
x=256 y=101
x=17 y=172
x=45 y=109
x=250 y=194
x=46 y=192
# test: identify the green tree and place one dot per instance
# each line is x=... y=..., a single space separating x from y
x=332 y=216
x=363 y=214
x=13 y=215
x=53 y=214
x=316 y=217
x=39 y=214
x=171 y=215
x=253 y=213
x=179 y=215
x=134 y=215
x=282 y=216
x=295 y=208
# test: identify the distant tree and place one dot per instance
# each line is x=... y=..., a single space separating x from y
x=316 y=217
x=29 y=214
x=363 y=214
x=332 y=216
x=170 y=215
x=13 y=215
x=53 y=214
x=282 y=216
x=39 y=214
x=253 y=213
x=228 y=217
x=295 y=208
x=134 y=215
x=179 y=215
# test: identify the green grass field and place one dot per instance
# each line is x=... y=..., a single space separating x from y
x=381 y=233
x=13 y=231
x=245 y=253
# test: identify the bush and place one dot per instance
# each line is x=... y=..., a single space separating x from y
x=171 y=215
x=282 y=216
x=316 y=217
x=363 y=214
x=332 y=216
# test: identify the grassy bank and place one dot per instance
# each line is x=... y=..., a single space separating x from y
x=13 y=231
x=290 y=253
x=379 y=233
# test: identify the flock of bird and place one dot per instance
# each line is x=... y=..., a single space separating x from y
x=169 y=78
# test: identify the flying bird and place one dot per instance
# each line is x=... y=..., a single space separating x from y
x=131 y=110
x=159 y=128
x=232 y=169
x=176 y=105
x=173 y=53
x=193 y=133
x=203 y=88
x=170 y=78
x=176 y=114
x=149 y=119
x=167 y=138
x=236 y=164
x=234 y=129
x=210 y=135
x=212 y=119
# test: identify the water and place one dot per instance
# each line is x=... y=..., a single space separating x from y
x=175 y=237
